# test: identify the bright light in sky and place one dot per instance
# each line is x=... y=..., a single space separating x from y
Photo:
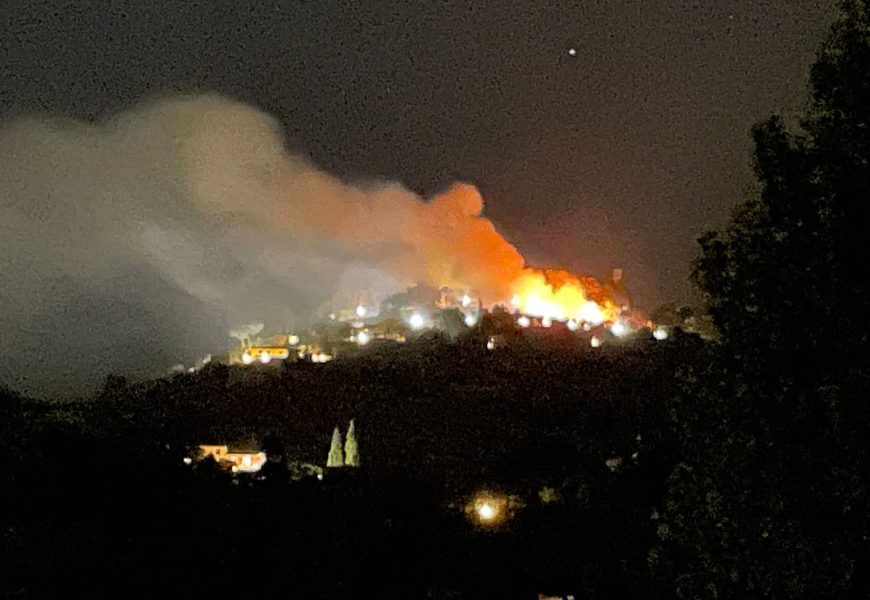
x=660 y=333
x=470 y=320
x=361 y=311
x=515 y=301
x=417 y=321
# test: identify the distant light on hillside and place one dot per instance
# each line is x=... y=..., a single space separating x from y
x=417 y=321
x=486 y=512
x=488 y=509
x=618 y=329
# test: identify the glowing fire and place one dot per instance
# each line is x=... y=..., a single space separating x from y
x=557 y=295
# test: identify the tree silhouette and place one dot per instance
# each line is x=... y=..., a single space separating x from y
x=771 y=498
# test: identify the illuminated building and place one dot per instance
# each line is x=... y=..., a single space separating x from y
x=237 y=461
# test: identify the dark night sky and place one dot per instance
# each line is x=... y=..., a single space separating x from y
x=620 y=155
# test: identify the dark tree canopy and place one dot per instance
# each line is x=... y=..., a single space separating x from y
x=786 y=280
x=772 y=497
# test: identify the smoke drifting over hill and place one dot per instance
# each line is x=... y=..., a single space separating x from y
x=137 y=243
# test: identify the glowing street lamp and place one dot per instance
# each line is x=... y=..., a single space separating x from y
x=470 y=320
x=363 y=338
x=594 y=342
x=361 y=311
x=523 y=321
x=618 y=329
x=417 y=321
x=488 y=509
x=660 y=334
x=487 y=512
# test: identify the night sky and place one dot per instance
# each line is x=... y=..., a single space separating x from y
x=620 y=153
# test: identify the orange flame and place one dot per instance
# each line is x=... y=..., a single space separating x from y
x=464 y=250
x=562 y=296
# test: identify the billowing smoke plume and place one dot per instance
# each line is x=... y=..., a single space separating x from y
x=138 y=243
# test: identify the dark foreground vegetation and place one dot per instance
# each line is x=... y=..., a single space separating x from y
x=103 y=500
x=743 y=465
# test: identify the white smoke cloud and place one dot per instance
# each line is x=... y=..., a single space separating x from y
x=136 y=244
